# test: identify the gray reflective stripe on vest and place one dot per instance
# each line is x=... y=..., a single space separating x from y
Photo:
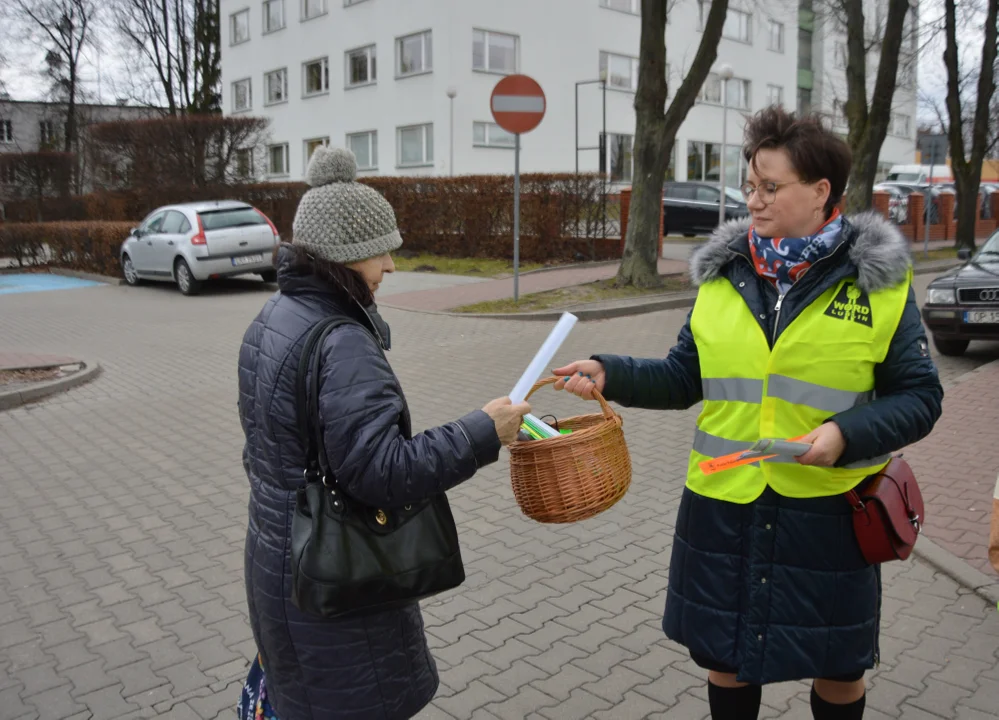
x=713 y=446
x=732 y=389
x=820 y=397
x=869 y=462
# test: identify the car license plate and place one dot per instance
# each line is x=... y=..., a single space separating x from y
x=247 y=260
x=984 y=317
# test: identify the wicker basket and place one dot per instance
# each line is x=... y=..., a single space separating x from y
x=572 y=477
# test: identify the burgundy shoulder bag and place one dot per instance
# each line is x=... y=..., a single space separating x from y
x=888 y=513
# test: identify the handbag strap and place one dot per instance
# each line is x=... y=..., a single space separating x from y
x=307 y=394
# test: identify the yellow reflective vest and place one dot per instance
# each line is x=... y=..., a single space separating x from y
x=822 y=364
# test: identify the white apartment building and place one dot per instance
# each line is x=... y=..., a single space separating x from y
x=378 y=76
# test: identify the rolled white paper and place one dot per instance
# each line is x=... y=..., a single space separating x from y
x=544 y=356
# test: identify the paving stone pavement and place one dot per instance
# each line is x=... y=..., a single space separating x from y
x=122 y=516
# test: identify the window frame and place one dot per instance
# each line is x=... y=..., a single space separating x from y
x=304 y=17
x=634 y=70
x=427 y=132
x=771 y=24
x=249 y=95
x=426 y=67
x=46 y=132
x=629 y=155
x=247 y=152
x=323 y=140
x=232 y=27
x=487 y=143
x=702 y=13
x=706 y=153
x=747 y=85
x=372 y=137
x=267 y=87
x=636 y=6
x=284 y=19
x=325 y=77
x=7 y=133
x=372 y=54
x=780 y=94
x=486 y=69
x=287 y=158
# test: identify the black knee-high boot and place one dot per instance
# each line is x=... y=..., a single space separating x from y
x=741 y=703
x=825 y=710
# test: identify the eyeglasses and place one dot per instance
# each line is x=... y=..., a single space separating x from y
x=767 y=190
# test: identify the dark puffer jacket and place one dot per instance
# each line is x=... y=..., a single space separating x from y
x=777 y=589
x=378 y=666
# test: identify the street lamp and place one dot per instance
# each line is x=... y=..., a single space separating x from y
x=452 y=93
x=725 y=74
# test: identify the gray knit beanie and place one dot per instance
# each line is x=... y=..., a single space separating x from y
x=339 y=219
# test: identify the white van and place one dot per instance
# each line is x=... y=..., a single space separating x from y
x=919 y=174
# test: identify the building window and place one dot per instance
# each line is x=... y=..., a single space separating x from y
x=494 y=52
x=239 y=27
x=317 y=76
x=8 y=174
x=312 y=145
x=276 y=83
x=628 y=6
x=46 y=132
x=361 y=66
x=907 y=72
x=804 y=49
x=738 y=92
x=244 y=163
x=416 y=145
x=776 y=36
x=839 y=59
x=313 y=8
x=365 y=148
x=415 y=54
x=775 y=95
x=6 y=131
x=273 y=15
x=804 y=101
x=620 y=157
x=348 y=3
x=620 y=71
x=491 y=135
x=736 y=168
x=242 y=95
x=738 y=24
x=901 y=125
x=277 y=159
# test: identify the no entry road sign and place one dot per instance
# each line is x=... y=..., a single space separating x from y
x=518 y=104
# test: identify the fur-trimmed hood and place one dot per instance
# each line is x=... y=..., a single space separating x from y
x=877 y=248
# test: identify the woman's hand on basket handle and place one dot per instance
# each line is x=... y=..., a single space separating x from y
x=581 y=377
x=507 y=417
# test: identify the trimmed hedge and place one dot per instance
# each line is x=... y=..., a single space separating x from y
x=87 y=246
x=562 y=215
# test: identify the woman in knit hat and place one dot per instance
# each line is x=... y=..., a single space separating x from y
x=375 y=665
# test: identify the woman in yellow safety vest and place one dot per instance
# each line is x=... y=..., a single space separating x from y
x=805 y=325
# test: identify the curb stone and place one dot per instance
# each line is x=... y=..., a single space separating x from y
x=95 y=277
x=957 y=569
x=32 y=393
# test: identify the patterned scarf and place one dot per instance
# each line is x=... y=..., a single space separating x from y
x=784 y=260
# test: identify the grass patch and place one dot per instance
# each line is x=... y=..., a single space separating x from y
x=475 y=267
x=682 y=240
x=948 y=253
x=575 y=295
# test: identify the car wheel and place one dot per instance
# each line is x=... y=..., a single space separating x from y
x=185 y=280
x=951 y=348
x=128 y=269
x=269 y=276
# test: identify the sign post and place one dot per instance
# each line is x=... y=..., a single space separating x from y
x=518 y=106
x=932 y=150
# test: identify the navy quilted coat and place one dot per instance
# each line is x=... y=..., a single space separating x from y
x=777 y=589
x=378 y=666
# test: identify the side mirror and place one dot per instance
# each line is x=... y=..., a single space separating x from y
x=134 y=231
x=964 y=254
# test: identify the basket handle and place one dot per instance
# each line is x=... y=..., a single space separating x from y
x=608 y=412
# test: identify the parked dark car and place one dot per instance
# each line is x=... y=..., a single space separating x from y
x=691 y=208
x=963 y=304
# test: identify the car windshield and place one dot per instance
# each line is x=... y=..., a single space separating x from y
x=236 y=217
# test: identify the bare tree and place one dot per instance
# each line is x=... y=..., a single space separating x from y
x=64 y=29
x=179 y=43
x=655 y=133
x=868 y=122
x=967 y=167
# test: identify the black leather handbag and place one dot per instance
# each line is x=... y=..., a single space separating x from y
x=349 y=558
